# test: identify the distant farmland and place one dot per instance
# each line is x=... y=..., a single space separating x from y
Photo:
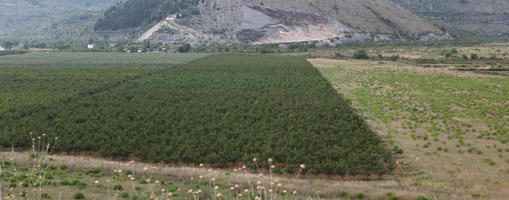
x=221 y=110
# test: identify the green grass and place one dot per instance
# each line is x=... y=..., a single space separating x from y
x=220 y=110
x=441 y=103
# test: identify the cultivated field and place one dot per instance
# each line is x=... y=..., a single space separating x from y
x=223 y=110
x=420 y=126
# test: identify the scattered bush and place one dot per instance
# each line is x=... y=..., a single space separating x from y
x=124 y=195
x=52 y=167
x=78 y=195
x=359 y=195
x=45 y=195
x=117 y=187
x=397 y=150
x=423 y=198
x=361 y=55
x=81 y=185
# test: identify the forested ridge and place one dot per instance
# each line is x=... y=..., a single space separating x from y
x=134 y=13
x=219 y=110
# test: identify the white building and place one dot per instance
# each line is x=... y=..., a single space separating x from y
x=90 y=46
x=2 y=49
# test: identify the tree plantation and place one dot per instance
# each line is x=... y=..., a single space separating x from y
x=221 y=110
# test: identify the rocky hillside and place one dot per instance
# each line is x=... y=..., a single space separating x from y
x=481 y=17
x=257 y=21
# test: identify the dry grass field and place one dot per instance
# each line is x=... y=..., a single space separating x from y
x=452 y=126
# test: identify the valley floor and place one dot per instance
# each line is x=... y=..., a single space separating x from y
x=451 y=125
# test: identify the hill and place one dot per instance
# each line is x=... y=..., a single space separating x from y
x=49 y=19
x=480 y=17
x=274 y=21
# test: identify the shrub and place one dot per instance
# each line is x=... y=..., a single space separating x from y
x=23 y=193
x=474 y=56
x=184 y=48
x=81 y=185
x=65 y=182
x=422 y=198
x=124 y=195
x=359 y=195
x=338 y=55
x=78 y=195
x=75 y=182
x=343 y=193
x=394 y=57
x=361 y=54
x=52 y=167
x=12 y=185
x=476 y=195
x=117 y=187
x=128 y=172
x=397 y=150
x=63 y=167
x=45 y=195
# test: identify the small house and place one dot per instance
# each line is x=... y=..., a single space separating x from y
x=2 y=49
x=90 y=46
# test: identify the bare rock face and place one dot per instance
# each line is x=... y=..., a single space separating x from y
x=282 y=21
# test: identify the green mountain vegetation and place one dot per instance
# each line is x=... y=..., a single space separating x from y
x=134 y=13
x=222 y=109
x=49 y=19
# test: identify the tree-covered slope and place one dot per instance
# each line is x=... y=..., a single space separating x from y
x=47 y=19
x=134 y=13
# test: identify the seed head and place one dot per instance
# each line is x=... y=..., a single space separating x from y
x=254 y=159
x=302 y=166
x=270 y=160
